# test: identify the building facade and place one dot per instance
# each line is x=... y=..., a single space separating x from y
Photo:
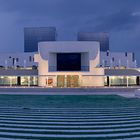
x=34 y=35
x=83 y=63
x=87 y=74
x=17 y=60
x=102 y=38
x=69 y=64
x=117 y=60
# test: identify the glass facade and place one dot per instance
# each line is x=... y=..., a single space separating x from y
x=66 y=81
x=102 y=37
x=120 y=80
x=34 y=35
x=132 y=80
x=29 y=81
x=8 y=80
x=18 y=81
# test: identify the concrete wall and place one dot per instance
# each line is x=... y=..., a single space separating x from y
x=42 y=69
x=95 y=78
x=52 y=62
x=85 y=59
x=92 y=81
x=20 y=59
x=120 y=59
x=89 y=50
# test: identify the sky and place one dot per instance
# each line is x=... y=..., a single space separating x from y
x=120 y=18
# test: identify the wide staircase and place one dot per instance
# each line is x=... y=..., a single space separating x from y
x=70 y=123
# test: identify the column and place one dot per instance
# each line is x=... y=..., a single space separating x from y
x=28 y=81
x=137 y=81
x=127 y=81
x=10 y=81
x=108 y=82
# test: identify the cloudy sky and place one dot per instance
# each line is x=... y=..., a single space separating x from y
x=121 y=18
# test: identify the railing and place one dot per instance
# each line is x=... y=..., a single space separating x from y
x=54 y=69
x=18 y=68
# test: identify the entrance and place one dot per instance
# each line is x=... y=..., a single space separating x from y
x=61 y=81
x=72 y=81
x=68 y=81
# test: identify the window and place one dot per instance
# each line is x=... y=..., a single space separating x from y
x=126 y=54
x=17 y=59
x=105 y=62
x=13 y=61
x=30 y=58
x=113 y=59
x=133 y=57
x=107 y=53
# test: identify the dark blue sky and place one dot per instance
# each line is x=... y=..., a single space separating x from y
x=121 y=18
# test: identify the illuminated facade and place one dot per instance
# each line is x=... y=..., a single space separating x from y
x=80 y=68
x=69 y=64
x=83 y=63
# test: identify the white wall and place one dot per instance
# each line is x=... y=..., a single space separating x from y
x=84 y=60
x=52 y=62
x=89 y=51
x=120 y=59
x=21 y=59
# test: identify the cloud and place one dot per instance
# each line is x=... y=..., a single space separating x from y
x=136 y=13
x=118 y=17
x=123 y=20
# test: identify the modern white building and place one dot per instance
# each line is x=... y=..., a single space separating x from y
x=107 y=60
x=117 y=60
x=69 y=64
x=17 y=60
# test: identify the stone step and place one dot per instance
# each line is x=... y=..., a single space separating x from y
x=69 y=108
x=39 y=136
x=27 y=130
x=70 y=126
x=69 y=119
x=13 y=139
x=68 y=114
x=72 y=112
x=72 y=123
x=137 y=138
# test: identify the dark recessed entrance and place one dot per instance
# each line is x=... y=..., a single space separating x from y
x=68 y=62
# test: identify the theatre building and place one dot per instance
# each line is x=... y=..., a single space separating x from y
x=69 y=64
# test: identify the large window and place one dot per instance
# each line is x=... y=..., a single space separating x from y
x=122 y=80
x=68 y=62
x=8 y=80
x=29 y=81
